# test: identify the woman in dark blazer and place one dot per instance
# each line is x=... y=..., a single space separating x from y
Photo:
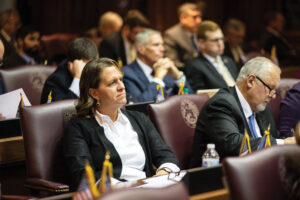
x=100 y=126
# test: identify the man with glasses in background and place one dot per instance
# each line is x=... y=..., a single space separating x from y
x=211 y=70
x=234 y=110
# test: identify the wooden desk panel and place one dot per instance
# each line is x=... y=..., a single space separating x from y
x=12 y=150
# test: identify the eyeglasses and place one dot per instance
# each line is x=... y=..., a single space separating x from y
x=272 y=91
x=216 y=40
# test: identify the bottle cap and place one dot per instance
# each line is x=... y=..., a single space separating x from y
x=186 y=90
x=210 y=146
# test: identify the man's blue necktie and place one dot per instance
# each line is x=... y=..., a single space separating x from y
x=195 y=44
x=252 y=126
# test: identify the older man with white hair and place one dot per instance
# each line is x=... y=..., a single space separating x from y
x=225 y=117
x=151 y=69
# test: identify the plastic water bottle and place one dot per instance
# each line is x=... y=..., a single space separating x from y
x=159 y=97
x=210 y=157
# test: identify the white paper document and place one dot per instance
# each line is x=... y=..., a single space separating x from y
x=9 y=103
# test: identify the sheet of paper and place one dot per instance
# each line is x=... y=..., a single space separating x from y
x=9 y=103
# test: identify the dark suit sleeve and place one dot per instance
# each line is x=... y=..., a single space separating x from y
x=76 y=151
x=160 y=153
x=59 y=92
x=225 y=126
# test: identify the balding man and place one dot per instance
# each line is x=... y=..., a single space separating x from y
x=225 y=117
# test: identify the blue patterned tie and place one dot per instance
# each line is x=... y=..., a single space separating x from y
x=252 y=126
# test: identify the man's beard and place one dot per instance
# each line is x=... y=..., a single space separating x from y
x=32 y=52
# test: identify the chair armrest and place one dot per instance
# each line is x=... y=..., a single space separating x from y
x=45 y=185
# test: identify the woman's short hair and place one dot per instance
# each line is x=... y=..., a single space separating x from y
x=91 y=78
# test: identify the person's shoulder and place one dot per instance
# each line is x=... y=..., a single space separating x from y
x=173 y=29
x=128 y=70
x=113 y=37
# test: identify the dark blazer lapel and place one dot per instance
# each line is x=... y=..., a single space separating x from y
x=141 y=136
x=99 y=131
x=229 y=67
x=262 y=123
x=213 y=71
x=139 y=73
x=234 y=93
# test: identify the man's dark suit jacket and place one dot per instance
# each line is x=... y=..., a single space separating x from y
x=139 y=89
x=113 y=47
x=222 y=122
x=59 y=83
x=201 y=74
x=9 y=48
x=228 y=52
x=283 y=48
x=14 y=60
x=84 y=139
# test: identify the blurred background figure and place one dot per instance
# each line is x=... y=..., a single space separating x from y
x=151 y=69
x=272 y=37
x=180 y=40
x=64 y=82
x=109 y=22
x=29 y=48
x=235 y=31
x=211 y=69
x=119 y=46
x=10 y=23
x=290 y=111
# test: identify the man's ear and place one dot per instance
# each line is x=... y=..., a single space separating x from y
x=201 y=44
x=141 y=49
x=250 y=80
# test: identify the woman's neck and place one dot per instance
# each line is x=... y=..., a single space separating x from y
x=112 y=113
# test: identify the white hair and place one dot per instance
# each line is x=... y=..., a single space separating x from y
x=258 y=66
x=142 y=38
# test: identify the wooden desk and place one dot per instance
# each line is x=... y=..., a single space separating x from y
x=222 y=194
x=12 y=150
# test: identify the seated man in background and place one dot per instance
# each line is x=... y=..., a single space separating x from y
x=235 y=48
x=119 y=46
x=29 y=48
x=10 y=23
x=211 y=70
x=109 y=22
x=64 y=82
x=151 y=69
x=225 y=117
x=290 y=111
x=180 y=40
x=272 y=36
